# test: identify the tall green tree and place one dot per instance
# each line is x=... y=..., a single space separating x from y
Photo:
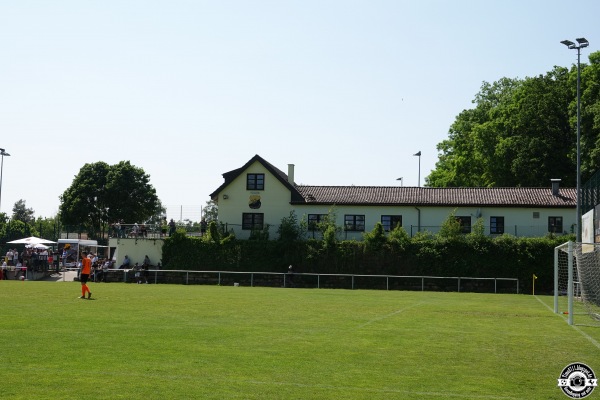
x=22 y=213
x=210 y=211
x=522 y=132
x=101 y=194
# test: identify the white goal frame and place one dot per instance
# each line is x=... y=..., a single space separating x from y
x=579 y=257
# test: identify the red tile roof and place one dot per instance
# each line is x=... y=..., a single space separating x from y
x=425 y=196
x=412 y=196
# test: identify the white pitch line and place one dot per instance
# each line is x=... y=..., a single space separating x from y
x=389 y=315
x=585 y=335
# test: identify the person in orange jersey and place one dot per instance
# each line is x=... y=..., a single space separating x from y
x=86 y=270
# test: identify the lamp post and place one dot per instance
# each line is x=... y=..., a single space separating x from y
x=419 y=155
x=401 y=179
x=2 y=153
x=581 y=43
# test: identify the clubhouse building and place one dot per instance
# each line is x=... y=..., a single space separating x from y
x=258 y=195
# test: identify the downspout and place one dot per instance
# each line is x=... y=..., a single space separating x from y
x=418 y=219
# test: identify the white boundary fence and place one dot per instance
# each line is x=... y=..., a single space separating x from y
x=315 y=280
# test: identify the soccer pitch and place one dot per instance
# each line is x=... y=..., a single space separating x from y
x=210 y=342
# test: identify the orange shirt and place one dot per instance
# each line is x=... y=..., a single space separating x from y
x=86 y=266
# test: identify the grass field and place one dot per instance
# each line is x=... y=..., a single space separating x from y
x=210 y=342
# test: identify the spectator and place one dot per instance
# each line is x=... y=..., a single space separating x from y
x=290 y=276
x=9 y=258
x=126 y=263
x=203 y=225
x=143 y=231
x=146 y=267
x=15 y=256
x=18 y=268
x=172 y=227
x=138 y=273
x=163 y=227
x=105 y=267
x=135 y=230
x=50 y=259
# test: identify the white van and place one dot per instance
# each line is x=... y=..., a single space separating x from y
x=69 y=250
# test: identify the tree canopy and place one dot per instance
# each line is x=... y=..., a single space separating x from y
x=22 y=213
x=103 y=193
x=522 y=132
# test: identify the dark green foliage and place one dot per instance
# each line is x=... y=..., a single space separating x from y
x=376 y=239
x=471 y=256
x=290 y=229
x=22 y=213
x=450 y=228
x=260 y=234
x=102 y=193
x=522 y=132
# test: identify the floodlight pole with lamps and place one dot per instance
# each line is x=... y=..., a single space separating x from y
x=2 y=153
x=581 y=43
x=419 y=155
x=401 y=179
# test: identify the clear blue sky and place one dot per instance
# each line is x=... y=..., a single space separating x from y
x=347 y=91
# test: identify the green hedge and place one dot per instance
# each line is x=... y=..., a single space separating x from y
x=502 y=257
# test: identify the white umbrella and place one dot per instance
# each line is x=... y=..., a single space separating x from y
x=37 y=246
x=32 y=240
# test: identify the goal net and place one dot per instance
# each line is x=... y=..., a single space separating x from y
x=577 y=281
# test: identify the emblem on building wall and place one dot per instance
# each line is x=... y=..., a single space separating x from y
x=254 y=201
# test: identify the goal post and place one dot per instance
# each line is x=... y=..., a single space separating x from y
x=577 y=280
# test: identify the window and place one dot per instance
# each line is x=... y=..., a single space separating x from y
x=390 y=222
x=354 y=223
x=252 y=221
x=536 y=214
x=496 y=225
x=555 y=224
x=314 y=220
x=465 y=224
x=255 y=182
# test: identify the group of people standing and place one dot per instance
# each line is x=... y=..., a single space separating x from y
x=34 y=258
x=121 y=230
x=11 y=262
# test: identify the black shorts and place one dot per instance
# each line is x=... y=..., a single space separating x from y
x=83 y=278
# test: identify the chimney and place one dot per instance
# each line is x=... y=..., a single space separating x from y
x=291 y=174
x=555 y=186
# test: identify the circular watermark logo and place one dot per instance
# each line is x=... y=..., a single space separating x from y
x=577 y=380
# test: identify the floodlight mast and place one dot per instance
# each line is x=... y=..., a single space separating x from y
x=419 y=155
x=583 y=42
x=2 y=153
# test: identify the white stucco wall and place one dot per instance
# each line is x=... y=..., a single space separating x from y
x=234 y=200
x=275 y=204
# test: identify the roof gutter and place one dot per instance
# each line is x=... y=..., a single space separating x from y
x=418 y=219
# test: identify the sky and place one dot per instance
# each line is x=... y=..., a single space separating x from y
x=347 y=91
